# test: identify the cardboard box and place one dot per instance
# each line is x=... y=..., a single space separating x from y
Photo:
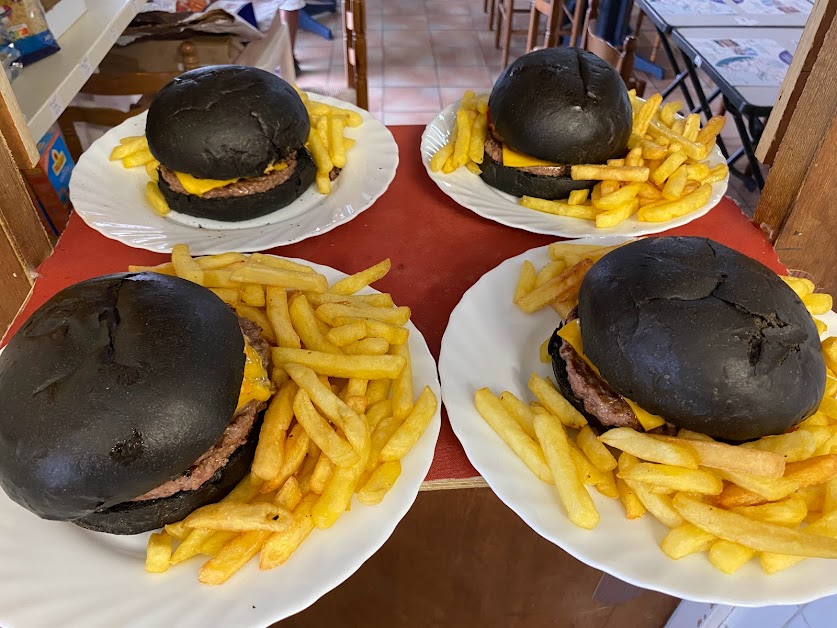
x=49 y=181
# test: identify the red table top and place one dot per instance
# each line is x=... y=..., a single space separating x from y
x=438 y=250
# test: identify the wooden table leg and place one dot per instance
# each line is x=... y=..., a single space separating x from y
x=462 y=558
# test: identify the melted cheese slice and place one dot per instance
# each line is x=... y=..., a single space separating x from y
x=256 y=384
x=571 y=332
x=514 y=159
x=199 y=187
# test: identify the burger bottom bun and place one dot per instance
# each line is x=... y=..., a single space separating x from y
x=142 y=516
x=516 y=182
x=239 y=208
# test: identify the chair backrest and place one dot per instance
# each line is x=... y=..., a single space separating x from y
x=622 y=60
x=354 y=36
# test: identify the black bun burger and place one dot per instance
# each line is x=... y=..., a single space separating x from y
x=231 y=143
x=550 y=109
x=691 y=331
x=128 y=401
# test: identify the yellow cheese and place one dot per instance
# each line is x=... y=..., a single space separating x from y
x=199 y=187
x=571 y=332
x=514 y=159
x=256 y=385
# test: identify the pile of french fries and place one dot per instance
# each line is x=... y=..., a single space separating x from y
x=557 y=283
x=775 y=498
x=665 y=175
x=326 y=143
x=343 y=416
x=466 y=144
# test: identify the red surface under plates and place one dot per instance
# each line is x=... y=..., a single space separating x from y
x=438 y=250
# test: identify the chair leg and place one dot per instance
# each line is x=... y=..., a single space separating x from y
x=507 y=29
x=492 y=13
x=578 y=17
x=500 y=7
x=534 y=25
x=485 y=6
x=552 y=29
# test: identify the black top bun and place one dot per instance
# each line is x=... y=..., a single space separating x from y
x=563 y=105
x=225 y=122
x=113 y=387
x=703 y=336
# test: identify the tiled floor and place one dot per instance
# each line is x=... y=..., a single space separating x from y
x=422 y=55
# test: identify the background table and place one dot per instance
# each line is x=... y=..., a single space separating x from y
x=459 y=558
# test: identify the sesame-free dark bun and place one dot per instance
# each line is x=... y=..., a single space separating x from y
x=705 y=337
x=114 y=386
x=248 y=206
x=517 y=182
x=225 y=122
x=563 y=105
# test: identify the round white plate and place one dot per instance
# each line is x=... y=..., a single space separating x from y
x=111 y=199
x=472 y=192
x=489 y=342
x=56 y=574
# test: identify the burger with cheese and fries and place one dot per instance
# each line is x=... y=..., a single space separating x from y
x=129 y=401
x=685 y=332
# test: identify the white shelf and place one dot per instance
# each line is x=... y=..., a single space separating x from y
x=45 y=88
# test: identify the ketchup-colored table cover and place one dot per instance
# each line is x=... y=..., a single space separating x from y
x=438 y=250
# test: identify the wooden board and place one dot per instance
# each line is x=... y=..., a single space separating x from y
x=462 y=558
x=13 y=127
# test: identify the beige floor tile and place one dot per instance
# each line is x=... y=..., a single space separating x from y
x=405 y=23
x=418 y=38
x=458 y=57
x=411 y=99
x=447 y=8
x=452 y=94
x=455 y=38
x=464 y=76
x=407 y=117
x=451 y=22
x=410 y=55
x=410 y=76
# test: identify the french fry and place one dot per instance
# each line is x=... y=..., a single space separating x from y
x=667 y=168
x=378 y=390
x=711 y=130
x=217 y=262
x=691 y=127
x=257 y=316
x=305 y=325
x=319 y=152
x=717 y=173
x=579 y=197
x=660 y=506
x=297 y=444
x=789 y=512
x=794 y=446
x=673 y=188
x=336 y=142
x=280 y=545
x=550 y=271
x=395 y=316
x=158 y=553
x=227 y=295
x=393 y=334
x=595 y=451
x=673 y=209
x=338 y=491
x=559 y=208
x=476 y=149
x=270 y=276
x=338 y=450
x=232 y=557
x=674 y=478
x=520 y=411
x=609 y=187
x=129 y=147
x=633 y=506
x=507 y=428
x=698 y=172
x=358 y=281
x=177 y=530
x=773 y=562
x=555 y=403
x=402 y=385
x=646 y=114
x=799 y=285
x=331 y=365
x=648 y=448
x=152 y=170
x=345 y=334
x=731 y=458
x=239 y=517
x=650 y=150
x=560 y=288
x=619 y=198
x=321 y=474
x=596 y=172
x=669 y=110
x=367 y=346
x=691 y=149
x=556 y=448
x=253 y=294
x=184 y=265
x=757 y=535
x=382 y=479
x=745 y=486
x=686 y=539
x=729 y=557
x=463 y=137
x=270 y=450
x=278 y=314
x=818 y=303
x=440 y=157
x=613 y=217
x=376 y=300
x=412 y=428
x=139 y=158
x=213 y=545
x=543 y=352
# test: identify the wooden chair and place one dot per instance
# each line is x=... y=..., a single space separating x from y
x=354 y=36
x=504 y=12
x=622 y=60
x=555 y=12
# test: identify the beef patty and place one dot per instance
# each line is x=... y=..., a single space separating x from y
x=234 y=436
x=494 y=149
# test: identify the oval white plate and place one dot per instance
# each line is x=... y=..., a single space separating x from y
x=489 y=342
x=473 y=193
x=56 y=574
x=111 y=199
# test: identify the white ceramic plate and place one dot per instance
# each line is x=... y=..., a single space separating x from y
x=489 y=342
x=111 y=199
x=57 y=574
x=472 y=192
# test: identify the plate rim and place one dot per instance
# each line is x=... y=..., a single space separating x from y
x=212 y=242
x=653 y=228
x=332 y=578
x=460 y=429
